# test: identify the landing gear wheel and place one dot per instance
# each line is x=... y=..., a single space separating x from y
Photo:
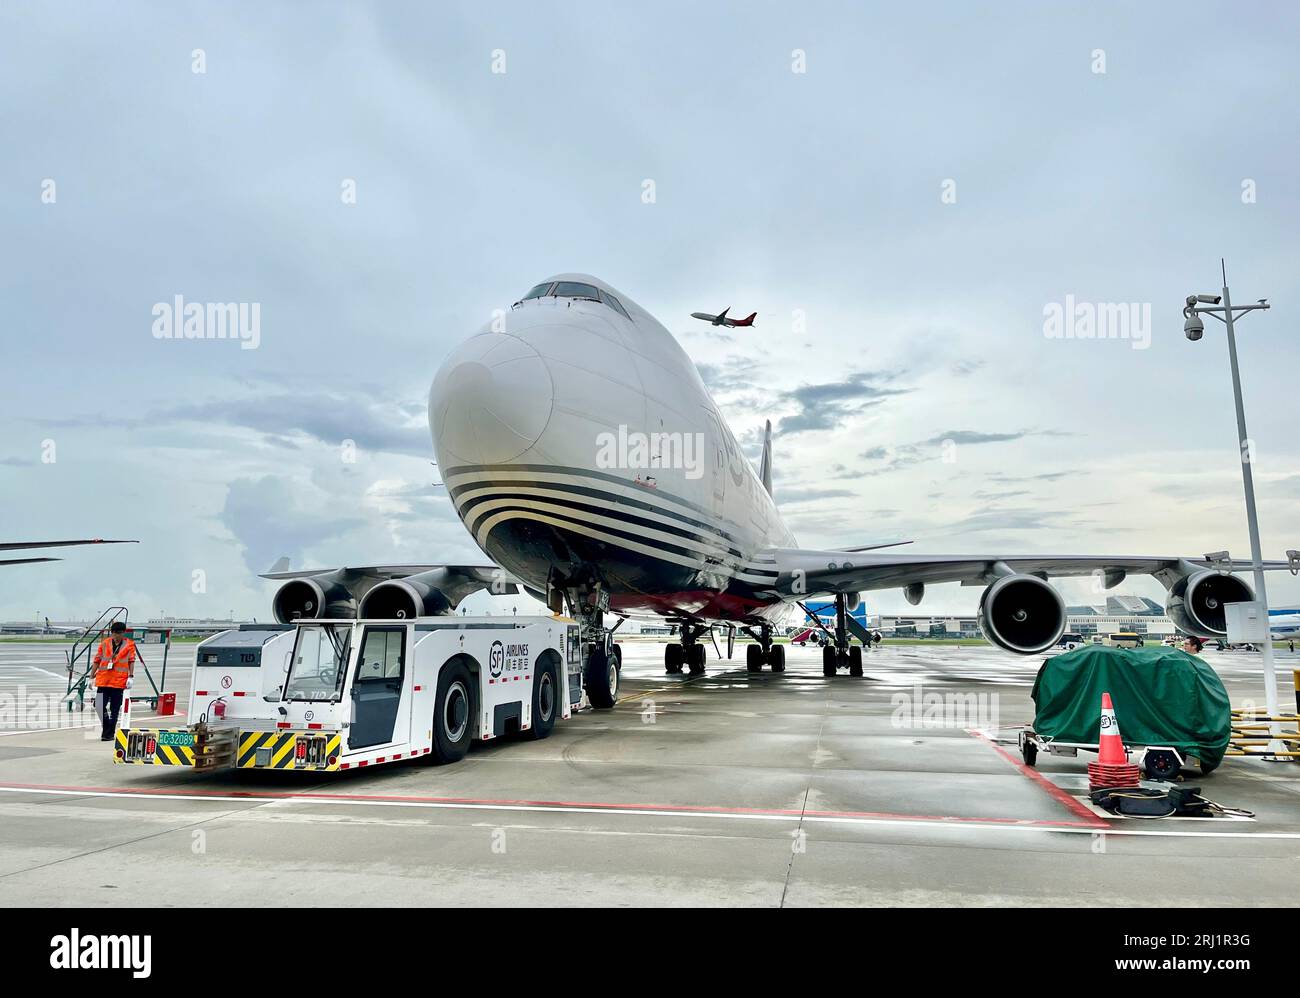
x=855 y=661
x=673 y=657
x=754 y=658
x=454 y=711
x=546 y=699
x=828 y=661
x=1161 y=764
x=777 y=657
x=600 y=678
x=698 y=657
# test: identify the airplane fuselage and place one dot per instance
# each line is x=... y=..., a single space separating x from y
x=576 y=438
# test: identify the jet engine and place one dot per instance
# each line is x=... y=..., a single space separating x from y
x=428 y=594
x=1196 y=602
x=1022 y=614
x=313 y=596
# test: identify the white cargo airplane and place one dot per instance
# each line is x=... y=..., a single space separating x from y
x=587 y=459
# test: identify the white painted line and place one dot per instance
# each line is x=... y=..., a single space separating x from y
x=61 y=679
x=652 y=812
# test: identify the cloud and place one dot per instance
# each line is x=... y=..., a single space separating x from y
x=980 y=437
x=730 y=375
x=826 y=405
x=811 y=494
x=268 y=519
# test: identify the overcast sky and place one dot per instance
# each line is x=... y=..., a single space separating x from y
x=902 y=213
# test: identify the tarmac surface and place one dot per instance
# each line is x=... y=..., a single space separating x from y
x=729 y=789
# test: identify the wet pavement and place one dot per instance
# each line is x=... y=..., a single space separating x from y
x=726 y=789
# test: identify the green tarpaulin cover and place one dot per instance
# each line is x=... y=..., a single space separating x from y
x=1162 y=696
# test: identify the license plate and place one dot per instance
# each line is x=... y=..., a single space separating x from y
x=310 y=751
x=140 y=745
x=180 y=738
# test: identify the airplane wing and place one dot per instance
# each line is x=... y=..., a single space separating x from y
x=853 y=571
x=31 y=545
x=1020 y=611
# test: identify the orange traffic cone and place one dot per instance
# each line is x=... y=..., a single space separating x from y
x=1111 y=750
x=1112 y=769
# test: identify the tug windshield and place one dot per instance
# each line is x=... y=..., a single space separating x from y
x=320 y=660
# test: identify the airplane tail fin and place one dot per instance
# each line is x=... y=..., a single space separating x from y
x=747 y=320
x=765 y=467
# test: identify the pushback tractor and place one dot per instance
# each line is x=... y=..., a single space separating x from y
x=329 y=695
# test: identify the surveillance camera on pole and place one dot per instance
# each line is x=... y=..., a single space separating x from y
x=1221 y=308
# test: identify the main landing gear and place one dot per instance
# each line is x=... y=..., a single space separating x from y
x=840 y=654
x=688 y=654
x=766 y=652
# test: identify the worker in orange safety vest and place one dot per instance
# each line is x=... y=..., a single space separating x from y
x=114 y=666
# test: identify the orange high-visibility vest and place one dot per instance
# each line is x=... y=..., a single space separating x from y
x=112 y=670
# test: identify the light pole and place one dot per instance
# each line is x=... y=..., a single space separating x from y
x=1194 y=328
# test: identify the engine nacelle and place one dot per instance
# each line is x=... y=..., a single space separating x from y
x=852 y=601
x=311 y=597
x=915 y=593
x=1022 y=614
x=1196 y=603
x=423 y=595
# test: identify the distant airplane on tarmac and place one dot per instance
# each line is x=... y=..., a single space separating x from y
x=721 y=318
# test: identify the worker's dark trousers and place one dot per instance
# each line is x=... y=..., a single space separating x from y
x=108 y=704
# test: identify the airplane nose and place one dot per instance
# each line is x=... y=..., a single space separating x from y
x=490 y=401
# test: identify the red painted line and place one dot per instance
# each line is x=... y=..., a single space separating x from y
x=1060 y=795
x=686 y=809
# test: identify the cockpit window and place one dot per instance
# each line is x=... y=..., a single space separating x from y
x=572 y=289
x=615 y=304
x=575 y=289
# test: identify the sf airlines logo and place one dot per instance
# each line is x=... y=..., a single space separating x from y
x=93 y=952
x=507 y=658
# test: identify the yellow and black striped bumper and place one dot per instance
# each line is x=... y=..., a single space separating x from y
x=280 y=750
x=154 y=747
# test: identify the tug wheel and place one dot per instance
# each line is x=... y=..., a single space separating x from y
x=453 y=713
x=546 y=699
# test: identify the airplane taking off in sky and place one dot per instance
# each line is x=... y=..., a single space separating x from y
x=721 y=318
x=34 y=545
x=587 y=459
